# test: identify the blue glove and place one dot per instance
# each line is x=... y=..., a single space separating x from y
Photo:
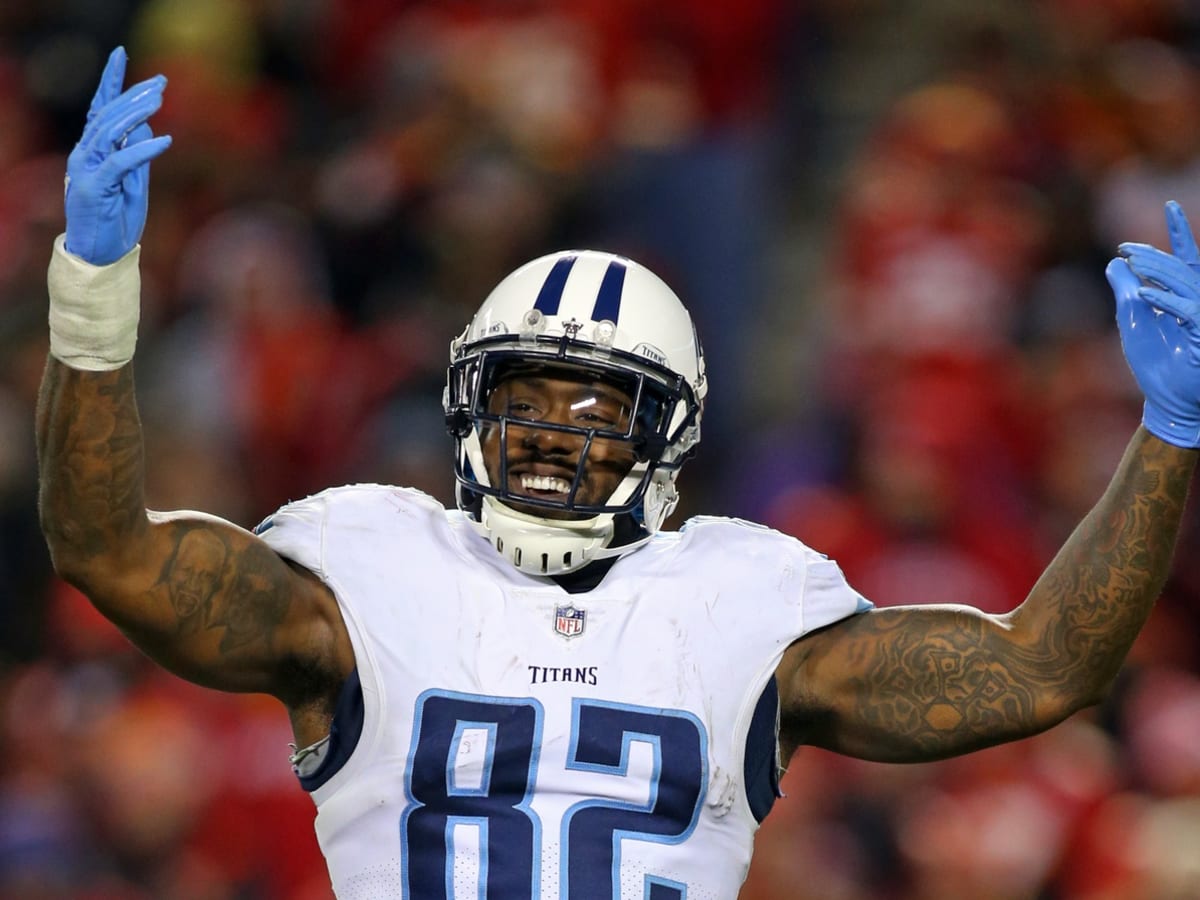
x=1158 y=314
x=108 y=172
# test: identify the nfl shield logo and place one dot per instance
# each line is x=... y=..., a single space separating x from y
x=568 y=621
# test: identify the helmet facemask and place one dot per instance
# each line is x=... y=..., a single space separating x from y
x=604 y=454
x=567 y=447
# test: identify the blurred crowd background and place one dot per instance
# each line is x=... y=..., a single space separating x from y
x=891 y=220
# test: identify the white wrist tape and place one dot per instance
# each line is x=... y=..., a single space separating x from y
x=93 y=309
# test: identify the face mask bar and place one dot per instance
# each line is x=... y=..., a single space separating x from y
x=468 y=383
x=569 y=505
x=655 y=397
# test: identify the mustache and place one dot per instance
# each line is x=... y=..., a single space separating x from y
x=564 y=465
x=537 y=458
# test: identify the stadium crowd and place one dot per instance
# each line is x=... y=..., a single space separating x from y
x=890 y=218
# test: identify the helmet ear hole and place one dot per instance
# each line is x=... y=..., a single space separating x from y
x=458 y=422
x=650 y=448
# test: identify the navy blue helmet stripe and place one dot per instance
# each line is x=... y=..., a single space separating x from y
x=551 y=293
x=608 y=301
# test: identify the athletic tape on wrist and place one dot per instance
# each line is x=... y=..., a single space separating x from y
x=94 y=310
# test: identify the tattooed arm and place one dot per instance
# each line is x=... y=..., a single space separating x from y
x=204 y=598
x=908 y=684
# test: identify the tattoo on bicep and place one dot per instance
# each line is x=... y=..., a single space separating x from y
x=210 y=586
x=938 y=683
x=255 y=603
x=192 y=575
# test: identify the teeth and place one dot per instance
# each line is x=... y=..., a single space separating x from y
x=545 y=483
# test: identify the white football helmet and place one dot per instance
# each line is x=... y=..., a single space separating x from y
x=588 y=316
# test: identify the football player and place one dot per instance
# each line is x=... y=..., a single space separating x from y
x=543 y=693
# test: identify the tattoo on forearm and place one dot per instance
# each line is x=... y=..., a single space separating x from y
x=1100 y=588
x=92 y=502
x=90 y=453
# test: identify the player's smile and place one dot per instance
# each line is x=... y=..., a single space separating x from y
x=552 y=481
x=542 y=480
x=544 y=484
x=540 y=485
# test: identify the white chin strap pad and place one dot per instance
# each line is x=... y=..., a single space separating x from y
x=543 y=547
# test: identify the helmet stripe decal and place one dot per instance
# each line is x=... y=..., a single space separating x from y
x=608 y=301
x=551 y=293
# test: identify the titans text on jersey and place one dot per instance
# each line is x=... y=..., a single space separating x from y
x=567 y=675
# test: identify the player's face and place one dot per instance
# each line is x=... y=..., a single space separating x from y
x=542 y=462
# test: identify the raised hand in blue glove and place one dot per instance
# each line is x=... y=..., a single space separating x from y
x=1158 y=314
x=108 y=172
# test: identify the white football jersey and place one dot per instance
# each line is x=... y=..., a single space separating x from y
x=520 y=741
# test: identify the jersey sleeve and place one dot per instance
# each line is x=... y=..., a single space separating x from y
x=776 y=576
x=297 y=532
x=827 y=596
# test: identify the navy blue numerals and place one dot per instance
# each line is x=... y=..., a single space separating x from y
x=470 y=784
x=505 y=735
x=601 y=737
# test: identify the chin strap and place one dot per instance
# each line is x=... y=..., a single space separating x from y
x=544 y=547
